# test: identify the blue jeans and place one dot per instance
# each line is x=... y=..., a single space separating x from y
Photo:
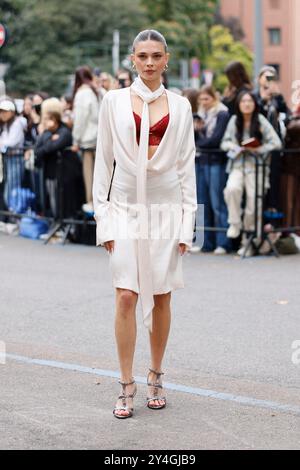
x=14 y=172
x=211 y=181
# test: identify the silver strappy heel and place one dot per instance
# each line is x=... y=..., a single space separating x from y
x=156 y=385
x=123 y=397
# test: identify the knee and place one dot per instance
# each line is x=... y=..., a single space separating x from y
x=126 y=300
x=162 y=301
x=232 y=189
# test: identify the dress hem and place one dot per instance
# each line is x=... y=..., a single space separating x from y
x=160 y=292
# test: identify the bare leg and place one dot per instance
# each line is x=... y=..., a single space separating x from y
x=125 y=332
x=160 y=333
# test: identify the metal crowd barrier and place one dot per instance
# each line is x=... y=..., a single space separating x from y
x=23 y=192
x=20 y=180
x=21 y=184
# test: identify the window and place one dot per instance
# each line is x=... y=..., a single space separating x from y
x=275 y=36
x=275 y=4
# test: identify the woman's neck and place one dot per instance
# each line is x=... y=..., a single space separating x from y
x=247 y=118
x=152 y=85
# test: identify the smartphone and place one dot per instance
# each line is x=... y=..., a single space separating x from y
x=122 y=82
x=38 y=108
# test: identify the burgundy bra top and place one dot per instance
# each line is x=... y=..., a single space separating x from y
x=156 y=132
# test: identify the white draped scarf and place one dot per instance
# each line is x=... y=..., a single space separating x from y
x=144 y=260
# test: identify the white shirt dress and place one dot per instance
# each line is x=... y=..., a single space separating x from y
x=171 y=194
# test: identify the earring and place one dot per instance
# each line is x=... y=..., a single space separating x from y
x=133 y=66
x=166 y=67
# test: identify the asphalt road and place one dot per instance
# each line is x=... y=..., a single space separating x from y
x=230 y=376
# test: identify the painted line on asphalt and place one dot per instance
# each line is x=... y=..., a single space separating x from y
x=239 y=399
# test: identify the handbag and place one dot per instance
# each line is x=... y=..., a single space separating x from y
x=33 y=227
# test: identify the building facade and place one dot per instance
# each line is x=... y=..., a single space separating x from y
x=281 y=35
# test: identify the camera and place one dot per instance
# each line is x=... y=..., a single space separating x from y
x=37 y=108
x=122 y=82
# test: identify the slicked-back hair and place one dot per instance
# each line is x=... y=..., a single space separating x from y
x=149 y=35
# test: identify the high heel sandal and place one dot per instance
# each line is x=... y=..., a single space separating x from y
x=123 y=397
x=156 y=385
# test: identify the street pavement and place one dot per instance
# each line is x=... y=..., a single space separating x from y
x=231 y=373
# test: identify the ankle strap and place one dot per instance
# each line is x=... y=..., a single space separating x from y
x=158 y=374
x=124 y=384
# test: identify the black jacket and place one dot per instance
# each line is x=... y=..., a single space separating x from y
x=213 y=142
x=46 y=150
x=272 y=109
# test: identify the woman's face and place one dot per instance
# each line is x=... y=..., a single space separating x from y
x=6 y=116
x=104 y=80
x=247 y=104
x=50 y=123
x=150 y=60
x=27 y=106
x=206 y=101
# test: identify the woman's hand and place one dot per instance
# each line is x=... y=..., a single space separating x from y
x=182 y=248
x=251 y=149
x=27 y=154
x=75 y=148
x=109 y=246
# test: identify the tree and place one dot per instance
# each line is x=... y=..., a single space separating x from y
x=185 y=23
x=48 y=39
x=225 y=49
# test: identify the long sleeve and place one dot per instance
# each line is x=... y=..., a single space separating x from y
x=46 y=146
x=81 y=112
x=216 y=137
x=102 y=175
x=14 y=137
x=187 y=177
x=271 y=141
x=229 y=141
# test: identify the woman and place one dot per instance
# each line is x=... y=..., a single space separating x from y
x=148 y=130
x=31 y=131
x=247 y=123
x=12 y=129
x=238 y=81
x=86 y=110
x=56 y=137
x=108 y=82
x=211 y=169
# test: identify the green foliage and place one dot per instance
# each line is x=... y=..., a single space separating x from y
x=49 y=38
x=224 y=50
x=184 y=23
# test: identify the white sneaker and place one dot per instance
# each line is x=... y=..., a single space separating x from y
x=250 y=251
x=233 y=231
x=88 y=207
x=220 y=251
x=195 y=249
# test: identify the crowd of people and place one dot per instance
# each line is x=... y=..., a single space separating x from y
x=231 y=130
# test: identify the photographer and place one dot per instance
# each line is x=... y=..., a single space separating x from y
x=124 y=78
x=273 y=106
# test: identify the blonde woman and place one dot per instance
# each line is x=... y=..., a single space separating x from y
x=148 y=131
